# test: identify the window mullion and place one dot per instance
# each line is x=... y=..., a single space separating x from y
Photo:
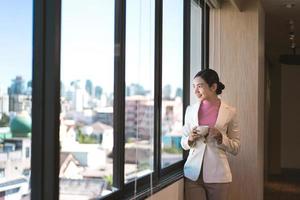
x=186 y=57
x=119 y=95
x=46 y=100
x=157 y=87
x=52 y=99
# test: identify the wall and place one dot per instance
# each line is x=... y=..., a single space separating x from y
x=290 y=109
x=274 y=144
x=267 y=104
x=237 y=54
x=172 y=192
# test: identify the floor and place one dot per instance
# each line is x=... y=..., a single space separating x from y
x=284 y=187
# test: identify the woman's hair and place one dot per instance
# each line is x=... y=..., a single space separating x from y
x=211 y=76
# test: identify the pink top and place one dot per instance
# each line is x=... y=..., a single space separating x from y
x=208 y=113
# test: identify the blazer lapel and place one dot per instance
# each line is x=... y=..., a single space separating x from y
x=222 y=116
x=195 y=114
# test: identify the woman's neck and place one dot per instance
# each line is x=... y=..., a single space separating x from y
x=211 y=100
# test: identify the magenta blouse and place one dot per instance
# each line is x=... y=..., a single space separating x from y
x=208 y=113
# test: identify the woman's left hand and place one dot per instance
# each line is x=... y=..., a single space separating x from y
x=215 y=133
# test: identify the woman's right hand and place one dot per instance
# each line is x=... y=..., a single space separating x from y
x=193 y=136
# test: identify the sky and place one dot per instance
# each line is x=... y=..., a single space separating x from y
x=87 y=41
x=15 y=40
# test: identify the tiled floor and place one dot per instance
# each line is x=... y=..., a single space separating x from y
x=282 y=188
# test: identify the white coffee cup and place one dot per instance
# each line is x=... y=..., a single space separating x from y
x=202 y=130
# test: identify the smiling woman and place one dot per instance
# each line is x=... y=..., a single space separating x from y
x=209 y=151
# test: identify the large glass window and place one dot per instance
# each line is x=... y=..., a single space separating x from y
x=122 y=78
x=196 y=41
x=172 y=82
x=139 y=100
x=16 y=22
x=87 y=83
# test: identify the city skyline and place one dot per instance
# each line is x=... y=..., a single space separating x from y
x=87 y=72
x=137 y=89
x=96 y=55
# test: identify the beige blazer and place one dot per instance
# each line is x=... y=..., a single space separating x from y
x=214 y=156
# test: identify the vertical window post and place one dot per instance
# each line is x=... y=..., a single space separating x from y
x=157 y=86
x=46 y=99
x=186 y=57
x=119 y=95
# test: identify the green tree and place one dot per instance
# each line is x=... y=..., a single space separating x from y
x=109 y=180
x=4 y=122
x=85 y=139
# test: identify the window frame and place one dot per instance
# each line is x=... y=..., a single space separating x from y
x=46 y=100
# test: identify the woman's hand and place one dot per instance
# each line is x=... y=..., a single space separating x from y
x=193 y=136
x=215 y=133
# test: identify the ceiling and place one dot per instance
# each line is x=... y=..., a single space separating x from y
x=278 y=7
x=277 y=24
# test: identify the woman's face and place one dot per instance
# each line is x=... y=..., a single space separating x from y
x=202 y=89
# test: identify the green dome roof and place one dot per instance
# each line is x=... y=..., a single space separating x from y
x=20 y=125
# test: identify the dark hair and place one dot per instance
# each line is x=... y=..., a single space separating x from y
x=211 y=76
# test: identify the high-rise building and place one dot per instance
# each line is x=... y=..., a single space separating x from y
x=4 y=106
x=89 y=87
x=139 y=117
x=17 y=86
x=19 y=103
x=98 y=92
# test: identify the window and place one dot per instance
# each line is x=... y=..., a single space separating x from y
x=107 y=112
x=16 y=24
x=139 y=100
x=172 y=82
x=86 y=99
x=199 y=39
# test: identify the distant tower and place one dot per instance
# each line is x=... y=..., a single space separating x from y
x=89 y=87
x=17 y=86
x=98 y=92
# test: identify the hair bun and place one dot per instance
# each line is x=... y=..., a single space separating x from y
x=221 y=87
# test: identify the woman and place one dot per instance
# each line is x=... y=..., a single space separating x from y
x=207 y=172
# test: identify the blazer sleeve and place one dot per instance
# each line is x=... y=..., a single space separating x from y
x=231 y=140
x=186 y=130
